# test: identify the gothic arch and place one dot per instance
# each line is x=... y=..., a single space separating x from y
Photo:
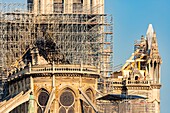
x=69 y=88
x=67 y=100
x=42 y=99
x=155 y=64
x=37 y=91
x=90 y=94
x=89 y=91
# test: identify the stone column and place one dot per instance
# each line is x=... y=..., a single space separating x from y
x=35 y=6
x=31 y=84
x=48 y=6
x=97 y=6
x=156 y=98
x=159 y=73
x=70 y=4
x=43 y=4
x=67 y=6
x=86 y=6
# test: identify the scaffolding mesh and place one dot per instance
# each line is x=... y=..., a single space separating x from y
x=81 y=37
x=126 y=106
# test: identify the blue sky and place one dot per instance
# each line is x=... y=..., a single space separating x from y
x=131 y=19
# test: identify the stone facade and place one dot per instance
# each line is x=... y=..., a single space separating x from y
x=65 y=62
x=53 y=88
x=66 y=6
x=141 y=73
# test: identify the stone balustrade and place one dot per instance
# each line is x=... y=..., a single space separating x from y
x=138 y=82
x=53 y=69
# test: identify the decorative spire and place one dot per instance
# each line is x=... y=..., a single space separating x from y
x=149 y=35
x=152 y=43
x=150 y=29
x=154 y=47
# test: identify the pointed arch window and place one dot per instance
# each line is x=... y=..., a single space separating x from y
x=30 y=5
x=77 y=6
x=67 y=101
x=86 y=106
x=58 y=6
x=42 y=100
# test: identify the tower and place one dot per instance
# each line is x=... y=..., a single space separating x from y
x=140 y=75
x=154 y=59
x=153 y=67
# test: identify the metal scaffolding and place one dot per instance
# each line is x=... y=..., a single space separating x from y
x=81 y=38
x=126 y=106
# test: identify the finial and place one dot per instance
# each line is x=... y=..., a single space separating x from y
x=150 y=29
x=149 y=35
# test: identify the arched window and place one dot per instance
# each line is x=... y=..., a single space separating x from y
x=77 y=6
x=58 y=6
x=89 y=93
x=86 y=107
x=155 y=64
x=136 y=78
x=67 y=101
x=30 y=5
x=42 y=100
